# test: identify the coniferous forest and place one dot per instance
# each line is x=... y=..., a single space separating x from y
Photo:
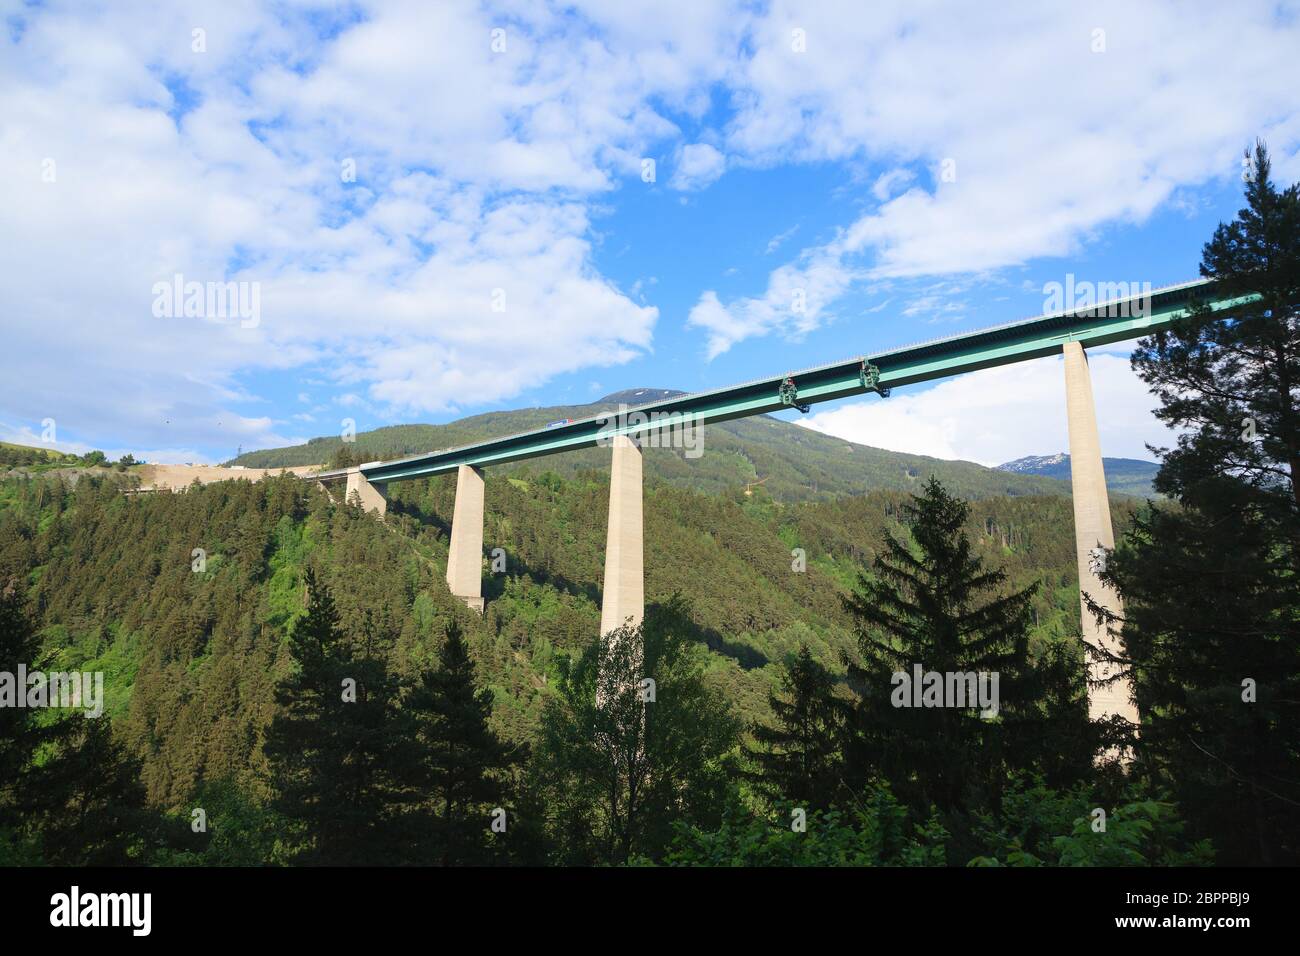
x=288 y=681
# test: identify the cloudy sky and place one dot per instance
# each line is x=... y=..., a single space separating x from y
x=446 y=208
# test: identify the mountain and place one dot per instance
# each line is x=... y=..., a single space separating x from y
x=12 y=455
x=1127 y=476
x=191 y=655
x=794 y=463
x=191 y=652
x=1039 y=464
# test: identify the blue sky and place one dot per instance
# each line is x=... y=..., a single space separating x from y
x=383 y=175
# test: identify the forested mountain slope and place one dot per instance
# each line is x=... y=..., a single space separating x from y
x=192 y=649
x=798 y=464
x=1125 y=476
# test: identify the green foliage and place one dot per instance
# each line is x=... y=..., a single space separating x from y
x=18 y=741
x=33 y=459
x=238 y=832
x=85 y=799
x=800 y=757
x=69 y=792
x=226 y=676
x=461 y=765
x=623 y=759
x=1035 y=826
x=345 y=456
x=879 y=834
x=1211 y=627
x=931 y=604
x=336 y=747
x=1134 y=837
x=192 y=658
x=1038 y=826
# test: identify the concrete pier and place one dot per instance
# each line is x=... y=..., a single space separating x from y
x=372 y=496
x=624 y=591
x=1092 y=530
x=465 y=560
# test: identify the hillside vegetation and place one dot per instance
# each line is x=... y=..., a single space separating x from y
x=297 y=666
x=29 y=460
x=192 y=656
x=798 y=464
x=36 y=459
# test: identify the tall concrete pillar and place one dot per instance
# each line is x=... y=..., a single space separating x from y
x=1092 y=530
x=624 y=594
x=465 y=561
x=372 y=496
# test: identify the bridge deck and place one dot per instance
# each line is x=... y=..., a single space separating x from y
x=1103 y=324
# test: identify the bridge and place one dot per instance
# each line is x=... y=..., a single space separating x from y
x=625 y=430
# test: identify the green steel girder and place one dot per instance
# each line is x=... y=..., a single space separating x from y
x=1018 y=342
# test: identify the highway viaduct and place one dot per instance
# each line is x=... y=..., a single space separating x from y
x=1069 y=333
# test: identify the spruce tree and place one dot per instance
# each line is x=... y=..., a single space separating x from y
x=18 y=737
x=337 y=747
x=86 y=800
x=635 y=742
x=82 y=803
x=799 y=759
x=1211 y=622
x=931 y=603
x=462 y=764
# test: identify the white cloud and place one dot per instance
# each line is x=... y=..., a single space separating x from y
x=384 y=285
x=697 y=165
x=1000 y=414
x=799 y=294
x=887 y=184
x=1048 y=140
x=478 y=171
x=775 y=242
